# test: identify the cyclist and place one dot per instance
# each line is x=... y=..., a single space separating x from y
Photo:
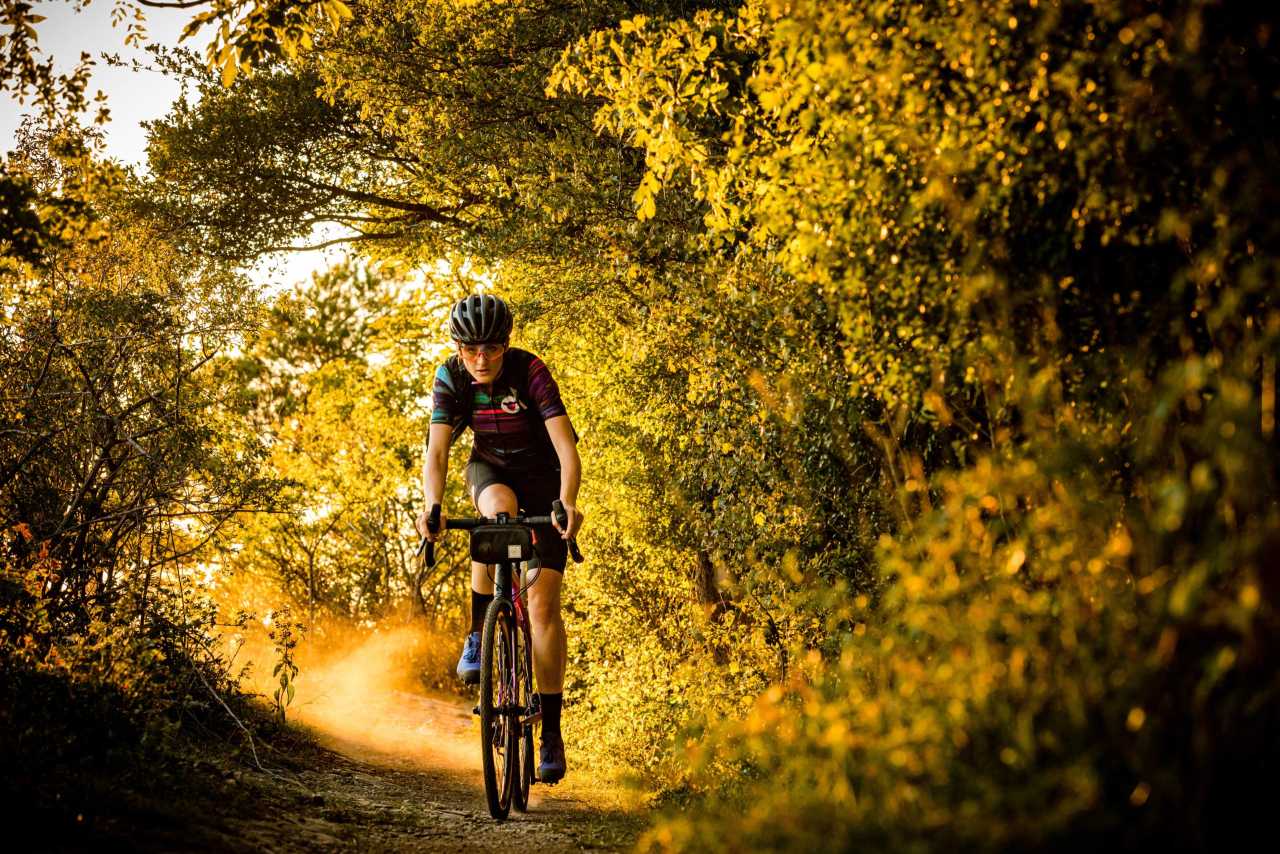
x=524 y=457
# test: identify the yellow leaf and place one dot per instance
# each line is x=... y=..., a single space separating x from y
x=229 y=71
x=647 y=208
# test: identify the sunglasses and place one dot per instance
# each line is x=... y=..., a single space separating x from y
x=475 y=351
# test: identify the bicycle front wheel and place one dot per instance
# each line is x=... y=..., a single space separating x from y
x=499 y=727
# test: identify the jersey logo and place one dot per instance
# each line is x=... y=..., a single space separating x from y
x=511 y=404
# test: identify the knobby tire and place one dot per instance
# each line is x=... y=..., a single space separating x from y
x=524 y=696
x=500 y=739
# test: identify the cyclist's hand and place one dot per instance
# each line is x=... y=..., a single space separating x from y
x=425 y=532
x=575 y=521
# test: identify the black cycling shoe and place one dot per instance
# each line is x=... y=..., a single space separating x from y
x=551 y=759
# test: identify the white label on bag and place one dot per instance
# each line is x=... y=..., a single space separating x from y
x=513 y=551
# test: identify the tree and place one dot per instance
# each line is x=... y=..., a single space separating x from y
x=420 y=129
x=339 y=382
x=1018 y=217
x=119 y=462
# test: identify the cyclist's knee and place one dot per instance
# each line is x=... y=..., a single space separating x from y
x=544 y=605
x=496 y=498
x=545 y=613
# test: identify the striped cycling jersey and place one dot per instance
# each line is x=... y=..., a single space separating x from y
x=508 y=419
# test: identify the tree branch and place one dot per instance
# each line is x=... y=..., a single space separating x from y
x=355 y=238
x=426 y=211
x=173 y=4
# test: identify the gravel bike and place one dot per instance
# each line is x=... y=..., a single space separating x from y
x=508 y=705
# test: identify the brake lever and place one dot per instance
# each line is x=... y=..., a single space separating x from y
x=562 y=519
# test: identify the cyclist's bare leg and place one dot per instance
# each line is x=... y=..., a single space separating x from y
x=495 y=499
x=482 y=578
x=549 y=647
x=548 y=667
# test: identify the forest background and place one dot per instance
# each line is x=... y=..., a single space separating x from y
x=923 y=357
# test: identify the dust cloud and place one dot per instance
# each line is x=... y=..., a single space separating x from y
x=367 y=690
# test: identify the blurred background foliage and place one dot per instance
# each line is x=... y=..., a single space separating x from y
x=923 y=357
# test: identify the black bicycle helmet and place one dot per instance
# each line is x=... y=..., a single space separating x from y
x=480 y=319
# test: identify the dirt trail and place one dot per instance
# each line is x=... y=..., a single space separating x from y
x=395 y=771
x=370 y=762
x=402 y=773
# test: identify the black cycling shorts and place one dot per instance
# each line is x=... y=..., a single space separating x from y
x=534 y=493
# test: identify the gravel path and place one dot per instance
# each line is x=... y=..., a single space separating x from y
x=400 y=773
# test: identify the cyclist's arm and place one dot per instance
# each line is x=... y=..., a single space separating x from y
x=434 y=468
x=561 y=433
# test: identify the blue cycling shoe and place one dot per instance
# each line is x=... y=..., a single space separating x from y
x=551 y=759
x=469 y=663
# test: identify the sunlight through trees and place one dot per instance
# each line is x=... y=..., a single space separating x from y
x=923 y=356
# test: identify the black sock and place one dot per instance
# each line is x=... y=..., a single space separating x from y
x=551 y=713
x=479 y=604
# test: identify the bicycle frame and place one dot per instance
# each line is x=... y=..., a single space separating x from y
x=506 y=586
x=507 y=718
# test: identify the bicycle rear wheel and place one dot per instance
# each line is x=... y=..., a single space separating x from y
x=499 y=727
x=524 y=701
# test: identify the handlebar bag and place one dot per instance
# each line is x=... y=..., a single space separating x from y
x=494 y=543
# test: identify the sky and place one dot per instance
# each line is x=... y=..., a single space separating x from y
x=133 y=97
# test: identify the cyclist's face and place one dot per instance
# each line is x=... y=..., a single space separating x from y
x=483 y=361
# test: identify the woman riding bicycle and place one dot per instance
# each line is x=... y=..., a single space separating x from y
x=524 y=457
